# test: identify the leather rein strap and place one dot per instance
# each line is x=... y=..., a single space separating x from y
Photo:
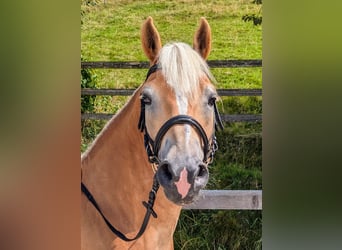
x=148 y=205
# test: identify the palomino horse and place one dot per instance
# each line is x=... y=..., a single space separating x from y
x=176 y=115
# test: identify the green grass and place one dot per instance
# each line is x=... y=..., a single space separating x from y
x=111 y=32
x=212 y=230
x=117 y=35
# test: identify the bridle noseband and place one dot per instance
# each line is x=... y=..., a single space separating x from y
x=152 y=149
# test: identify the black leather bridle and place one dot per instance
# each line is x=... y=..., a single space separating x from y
x=153 y=146
x=152 y=149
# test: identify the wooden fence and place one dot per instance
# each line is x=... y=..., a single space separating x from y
x=208 y=199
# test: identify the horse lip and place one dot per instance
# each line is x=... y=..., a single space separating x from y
x=175 y=197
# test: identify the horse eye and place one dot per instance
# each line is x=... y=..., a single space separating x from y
x=212 y=101
x=146 y=100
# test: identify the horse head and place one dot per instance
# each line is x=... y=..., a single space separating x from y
x=178 y=112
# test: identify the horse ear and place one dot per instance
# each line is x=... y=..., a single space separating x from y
x=150 y=39
x=202 y=39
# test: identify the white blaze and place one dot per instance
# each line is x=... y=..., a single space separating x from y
x=182 y=104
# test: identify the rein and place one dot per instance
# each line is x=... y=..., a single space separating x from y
x=148 y=205
x=152 y=149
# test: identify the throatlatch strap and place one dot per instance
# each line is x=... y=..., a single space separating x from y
x=148 y=205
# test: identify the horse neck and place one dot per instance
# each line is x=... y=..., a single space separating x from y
x=117 y=157
x=115 y=169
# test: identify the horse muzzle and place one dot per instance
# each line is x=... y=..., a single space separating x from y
x=182 y=182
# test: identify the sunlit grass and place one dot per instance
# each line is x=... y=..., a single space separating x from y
x=111 y=31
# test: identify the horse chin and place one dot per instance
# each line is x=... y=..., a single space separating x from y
x=177 y=199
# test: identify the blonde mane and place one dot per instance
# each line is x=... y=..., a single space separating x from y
x=182 y=68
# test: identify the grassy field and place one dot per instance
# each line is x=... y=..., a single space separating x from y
x=110 y=31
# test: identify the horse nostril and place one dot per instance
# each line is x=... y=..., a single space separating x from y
x=164 y=168
x=203 y=171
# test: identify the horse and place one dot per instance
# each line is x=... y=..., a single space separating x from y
x=163 y=136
